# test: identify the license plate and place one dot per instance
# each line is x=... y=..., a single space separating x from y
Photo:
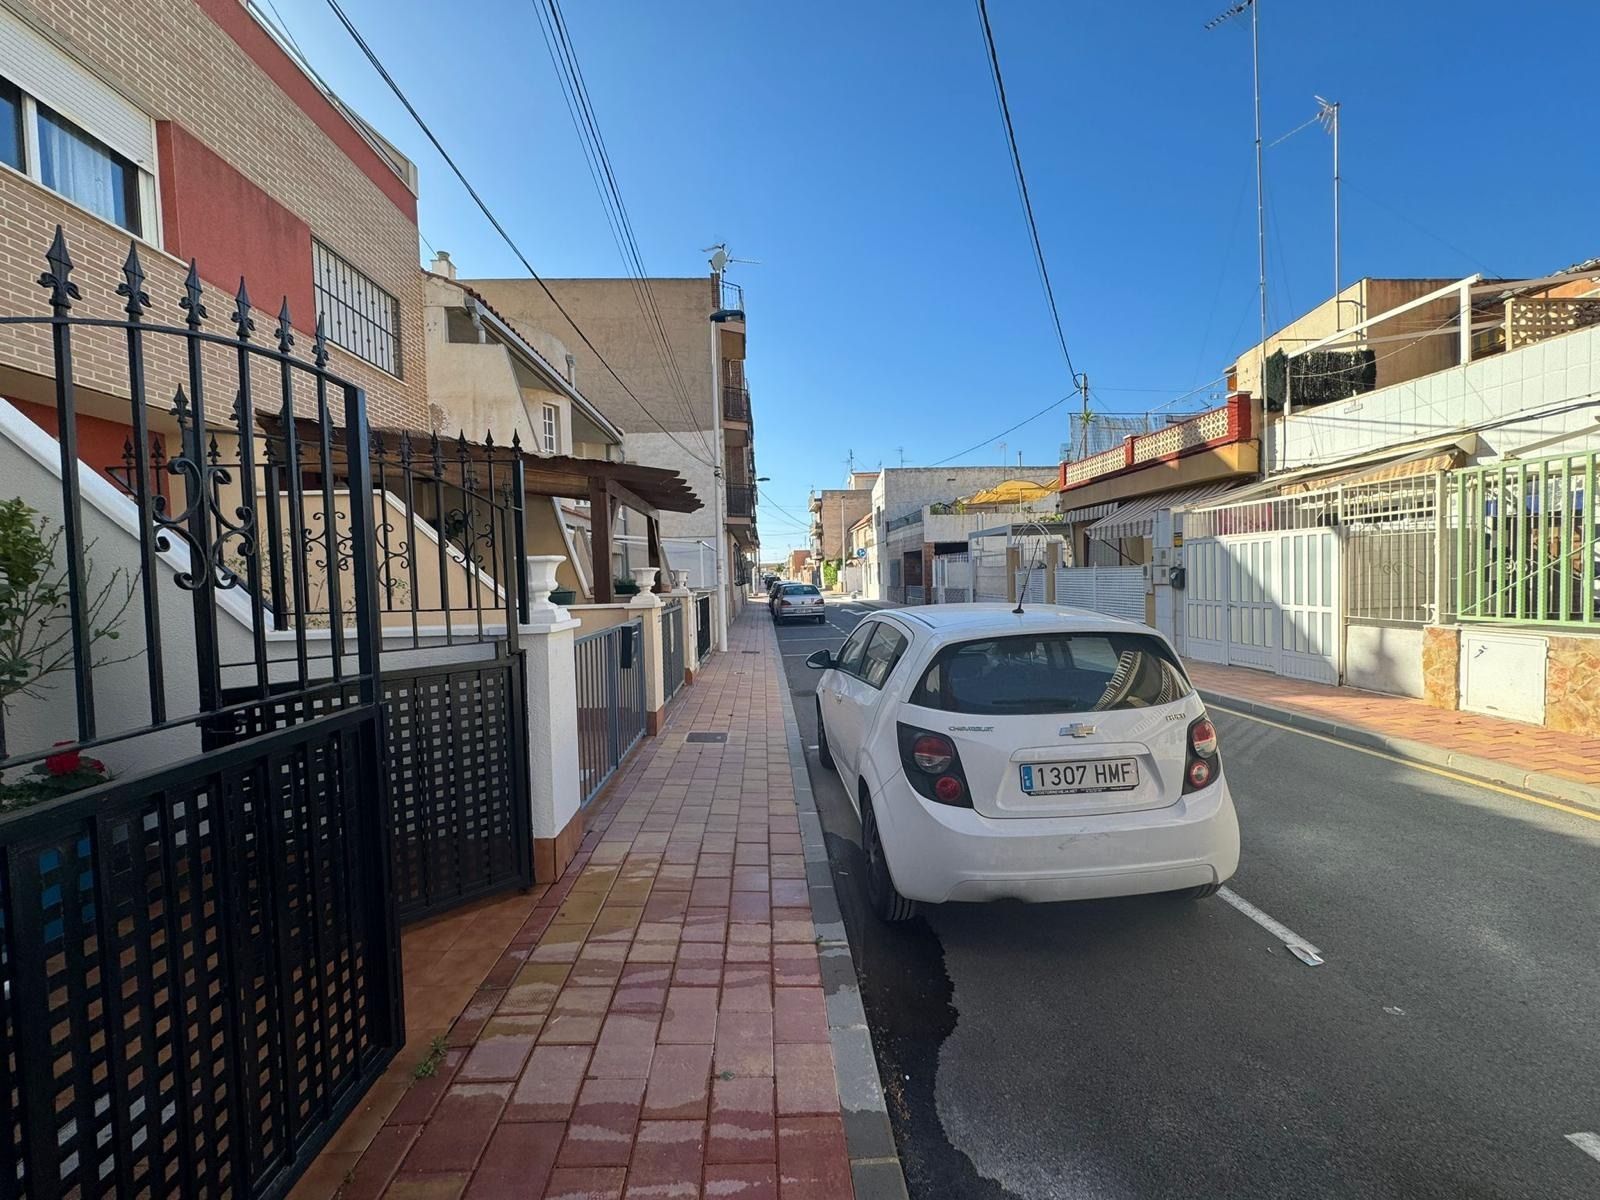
x=1089 y=775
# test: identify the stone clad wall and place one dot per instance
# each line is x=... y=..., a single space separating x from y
x=1441 y=666
x=1572 y=685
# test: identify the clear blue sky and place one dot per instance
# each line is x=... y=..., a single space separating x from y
x=856 y=150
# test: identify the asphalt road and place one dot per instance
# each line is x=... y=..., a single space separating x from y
x=1129 y=1049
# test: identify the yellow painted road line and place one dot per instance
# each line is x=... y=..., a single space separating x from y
x=1586 y=813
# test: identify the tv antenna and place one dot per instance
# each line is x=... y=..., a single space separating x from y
x=720 y=258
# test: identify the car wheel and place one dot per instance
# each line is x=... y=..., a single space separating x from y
x=824 y=751
x=887 y=903
x=822 y=620
x=1197 y=893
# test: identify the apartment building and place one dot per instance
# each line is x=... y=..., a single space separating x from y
x=686 y=404
x=834 y=511
x=184 y=128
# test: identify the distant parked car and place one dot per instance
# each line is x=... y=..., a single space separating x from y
x=1056 y=754
x=797 y=602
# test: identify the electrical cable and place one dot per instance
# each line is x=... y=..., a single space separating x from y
x=1022 y=185
x=996 y=437
x=580 y=108
x=500 y=229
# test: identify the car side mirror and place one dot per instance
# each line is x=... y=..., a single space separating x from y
x=820 y=660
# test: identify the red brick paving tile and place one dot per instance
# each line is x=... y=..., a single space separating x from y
x=750 y=933
x=433 y=1186
x=599 y=964
x=615 y=923
x=690 y=1017
x=674 y=877
x=585 y=1183
x=749 y=952
x=749 y=854
x=667 y=1161
x=680 y=1082
x=642 y=988
x=742 y=1128
x=786 y=843
x=666 y=906
x=549 y=1084
x=751 y=879
x=627 y=1042
x=705 y=925
x=805 y=1079
x=746 y=988
x=424 y=1094
x=750 y=906
x=495 y=1058
x=714 y=866
x=744 y=1043
x=799 y=1014
x=796 y=964
x=741 y=1181
x=710 y=892
x=603 y=1123
x=788 y=866
x=458 y=1128
x=505 y=967
x=790 y=893
x=699 y=965
x=793 y=925
x=517 y=1162
x=474 y=1016
x=812 y=1161
x=379 y=1162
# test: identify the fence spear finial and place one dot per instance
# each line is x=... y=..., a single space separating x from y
x=59 y=277
x=132 y=285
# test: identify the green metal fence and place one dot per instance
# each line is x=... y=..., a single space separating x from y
x=1527 y=548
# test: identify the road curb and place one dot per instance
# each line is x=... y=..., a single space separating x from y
x=1486 y=770
x=875 y=1169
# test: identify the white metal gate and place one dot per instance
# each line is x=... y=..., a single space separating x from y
x=1269 y=601
x=952 y=579
x=1115 y=591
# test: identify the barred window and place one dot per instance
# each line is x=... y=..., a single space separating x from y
x=359 y=315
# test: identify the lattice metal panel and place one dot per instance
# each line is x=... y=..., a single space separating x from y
x=457 y=784
x=196 y=970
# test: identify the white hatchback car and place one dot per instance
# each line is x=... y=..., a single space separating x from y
x=1055 y=754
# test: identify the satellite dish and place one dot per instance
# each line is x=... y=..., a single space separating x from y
x=720 y=258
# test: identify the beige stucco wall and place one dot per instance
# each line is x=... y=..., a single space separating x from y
x=1397 y=361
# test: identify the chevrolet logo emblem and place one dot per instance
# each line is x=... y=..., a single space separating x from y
x=1077 y=731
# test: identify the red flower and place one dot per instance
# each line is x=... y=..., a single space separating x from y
x=64 y=763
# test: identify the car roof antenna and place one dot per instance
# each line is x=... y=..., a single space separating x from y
x=1037 y=561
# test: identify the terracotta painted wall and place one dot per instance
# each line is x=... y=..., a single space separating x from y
x=100 y=442
x=213 y=214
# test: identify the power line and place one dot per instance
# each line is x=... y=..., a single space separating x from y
x=996 y=437
x=580 y=108
x=494 y=221
x=1022 y=185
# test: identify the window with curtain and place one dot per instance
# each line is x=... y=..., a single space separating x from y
x=88 y=172
x=552 y=436
x=10 y=125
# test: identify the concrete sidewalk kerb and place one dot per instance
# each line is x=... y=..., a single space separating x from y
x=874 y=1160
x=1486 y=770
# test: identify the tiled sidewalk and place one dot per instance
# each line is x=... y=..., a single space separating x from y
x=1516 y=747
x=654 y=1024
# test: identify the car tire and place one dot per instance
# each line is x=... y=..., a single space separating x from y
x=822 y=620
x=1197 y=893
x=824 y=751
x=886 y=902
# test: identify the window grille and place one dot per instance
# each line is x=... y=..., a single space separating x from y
x=360 y=316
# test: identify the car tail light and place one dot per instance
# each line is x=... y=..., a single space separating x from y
x=933 y=753
x=785 y=603
x=933 y=767
x=1202 y=765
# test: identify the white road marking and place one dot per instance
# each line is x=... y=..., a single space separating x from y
x=1589 y=1143
x=1298 y=946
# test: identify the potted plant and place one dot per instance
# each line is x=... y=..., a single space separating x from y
x=58 y=775
x=563 y=596
x=624 y=587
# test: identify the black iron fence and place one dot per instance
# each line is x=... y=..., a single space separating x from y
x=702 y=626
x=672 y=648
x=199 y=958
x=611 y=701
x=741 y=500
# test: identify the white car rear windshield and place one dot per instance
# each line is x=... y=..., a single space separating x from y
x=1052 y=673
x=800 y=589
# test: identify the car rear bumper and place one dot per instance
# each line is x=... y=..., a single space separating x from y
x=937 y=853
x=797 y=614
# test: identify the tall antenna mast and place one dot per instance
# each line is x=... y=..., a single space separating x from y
x=1328 y=114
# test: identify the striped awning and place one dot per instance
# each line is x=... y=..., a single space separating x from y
x=1092 y=513
x=1136 y=518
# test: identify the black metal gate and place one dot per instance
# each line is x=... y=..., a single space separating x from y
x=458 y=771
x=199 y=959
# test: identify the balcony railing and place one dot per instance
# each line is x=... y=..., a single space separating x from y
x=741 y=500
x=1220 y=426
x=736 y=403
